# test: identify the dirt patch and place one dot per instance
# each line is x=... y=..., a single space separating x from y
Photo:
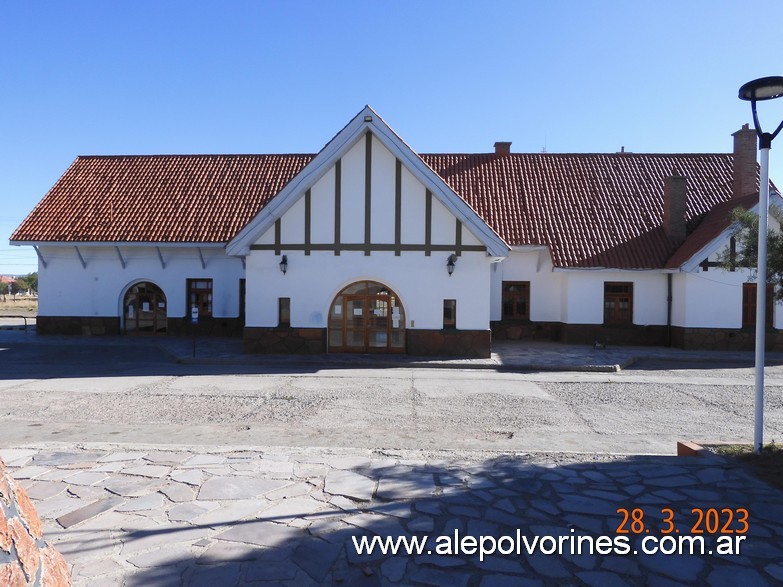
x=19 y=306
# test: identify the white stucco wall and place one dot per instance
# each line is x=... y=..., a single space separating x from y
x=68 y=289
x=413 y=209
x=533 y=265
x=352 y=195
x=713 y=299
x=576 y=296
x=584 y=293
x=382 y=189
x=421 y=282
x=322 y=209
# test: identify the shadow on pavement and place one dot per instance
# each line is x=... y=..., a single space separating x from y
x=308 y=540
x=30 y=356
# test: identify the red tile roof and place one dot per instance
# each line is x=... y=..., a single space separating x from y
x=158 y=198
x=592 y=210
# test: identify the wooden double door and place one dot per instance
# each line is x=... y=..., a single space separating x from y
x=366 y=317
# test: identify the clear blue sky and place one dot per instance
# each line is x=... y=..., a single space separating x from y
x=145 y=77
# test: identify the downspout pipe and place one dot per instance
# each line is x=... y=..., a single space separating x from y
x=669 y=310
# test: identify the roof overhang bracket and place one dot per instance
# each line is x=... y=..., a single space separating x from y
x=119 y=254
x=244 y=266
x=160 y=256
x=40 y=256
x=81 y=258
x=201 y=256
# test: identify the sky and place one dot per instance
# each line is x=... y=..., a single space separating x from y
x=151 y=77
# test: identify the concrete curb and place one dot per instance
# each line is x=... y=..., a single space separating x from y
x=278 y=360
x=377 y=452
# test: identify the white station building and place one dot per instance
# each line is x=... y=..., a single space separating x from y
x=368 y=246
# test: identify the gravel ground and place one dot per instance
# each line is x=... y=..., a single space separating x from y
x=639 y=411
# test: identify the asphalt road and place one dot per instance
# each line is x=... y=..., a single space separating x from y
x=92 y=391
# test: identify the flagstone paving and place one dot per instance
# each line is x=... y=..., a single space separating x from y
x=287 y=517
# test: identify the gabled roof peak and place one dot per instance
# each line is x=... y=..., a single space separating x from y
x=367 y=120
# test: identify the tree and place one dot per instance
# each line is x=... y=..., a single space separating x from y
x=745 y=253
x=29 y=282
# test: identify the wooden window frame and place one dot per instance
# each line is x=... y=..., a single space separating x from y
x=195 y=288
x=449 y=307
x=514 y=298
x=749 y=305
x=284 y=312
x=613 y=299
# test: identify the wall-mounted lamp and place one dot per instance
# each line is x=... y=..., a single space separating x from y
x=284 y=264
x=450 y=263
x=368 y=118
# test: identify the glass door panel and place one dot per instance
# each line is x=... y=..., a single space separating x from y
x=378 y=323
x=146 y=313
x=355 y=322
x=161 y=316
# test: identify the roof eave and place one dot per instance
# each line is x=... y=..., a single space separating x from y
x=186 y=244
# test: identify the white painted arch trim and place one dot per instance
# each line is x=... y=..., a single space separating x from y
x=366 y=121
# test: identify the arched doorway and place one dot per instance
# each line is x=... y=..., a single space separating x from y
x=366 y=317
x=144 y=309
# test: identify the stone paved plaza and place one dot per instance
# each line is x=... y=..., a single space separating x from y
x=220 y=517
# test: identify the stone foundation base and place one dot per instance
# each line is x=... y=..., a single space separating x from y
x=450 y=343
x=514 y=330
x=584 y=334
x=285 y=341
x=110 y=325
x=78 y=325
x=589 y=334
x=723 y=339
x=300 y=341
x=230 y=327
x=685 y=338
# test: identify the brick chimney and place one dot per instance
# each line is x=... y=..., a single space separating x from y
x=745 y=170
x=675 y=204
x=503 y=148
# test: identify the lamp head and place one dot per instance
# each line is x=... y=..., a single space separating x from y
x=765 y=88
x=452 y=260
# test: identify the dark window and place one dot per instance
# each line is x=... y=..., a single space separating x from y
x=618 y=303
x=200 y=296
x=449 y=313
x=516 y=300
x=749 y=304
x=284 y=311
